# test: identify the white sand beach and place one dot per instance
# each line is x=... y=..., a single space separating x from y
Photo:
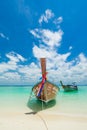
x=26 y=119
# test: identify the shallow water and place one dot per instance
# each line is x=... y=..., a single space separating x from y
x=74 y=103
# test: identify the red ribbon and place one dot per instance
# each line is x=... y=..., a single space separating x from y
x=42 y=84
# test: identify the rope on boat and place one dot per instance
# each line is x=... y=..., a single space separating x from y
x=45 y=124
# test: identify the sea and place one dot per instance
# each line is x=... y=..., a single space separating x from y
x=66 y=103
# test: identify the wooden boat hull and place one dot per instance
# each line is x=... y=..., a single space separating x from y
x=69 y=88
x=49 y=91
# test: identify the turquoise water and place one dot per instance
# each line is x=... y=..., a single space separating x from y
x=73 y=102
x=14 y=97
x=66 y=102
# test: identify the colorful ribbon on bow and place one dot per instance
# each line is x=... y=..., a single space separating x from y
x=42 y=84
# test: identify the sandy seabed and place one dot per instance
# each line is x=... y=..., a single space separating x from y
x=26 y=119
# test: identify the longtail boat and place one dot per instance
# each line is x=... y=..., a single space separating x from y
x=72 y=87
x=45 y=90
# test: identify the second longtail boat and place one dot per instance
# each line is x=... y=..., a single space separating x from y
x=45 y=90
x=67 y=88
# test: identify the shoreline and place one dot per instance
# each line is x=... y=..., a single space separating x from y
x=26 y=119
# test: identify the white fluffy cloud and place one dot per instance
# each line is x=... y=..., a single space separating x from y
x=14 y=57
x=60 y=69
x=48 y=37
x=42 y=52
x=11 y=64
x=14 y=72
x=70 y=48
x=3 y=36
x=58 y=20
x=9 y=70
x=58 y=66
x=45 y=17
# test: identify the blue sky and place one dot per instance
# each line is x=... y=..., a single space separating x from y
x=33 y=29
